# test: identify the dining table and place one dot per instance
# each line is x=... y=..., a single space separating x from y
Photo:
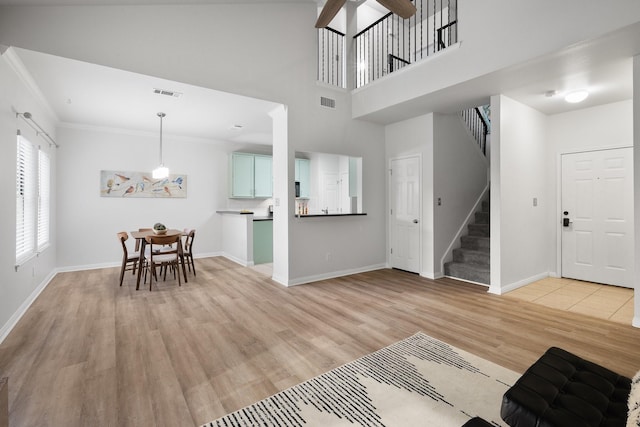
x=141 y=236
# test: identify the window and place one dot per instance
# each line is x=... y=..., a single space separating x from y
x=32 y=200
x=43 y=200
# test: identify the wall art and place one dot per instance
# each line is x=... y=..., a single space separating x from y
x=141 y=184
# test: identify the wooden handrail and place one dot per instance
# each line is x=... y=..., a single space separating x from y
x=4 y=402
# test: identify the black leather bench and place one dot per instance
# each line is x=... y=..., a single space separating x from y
x=562 y=389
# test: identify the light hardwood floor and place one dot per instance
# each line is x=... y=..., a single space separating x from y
x=91 y=353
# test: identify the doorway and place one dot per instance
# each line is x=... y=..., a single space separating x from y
x=597 y=216
x=405 y=214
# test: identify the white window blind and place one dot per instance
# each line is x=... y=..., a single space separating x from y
x=44 y=187
x=26 y=199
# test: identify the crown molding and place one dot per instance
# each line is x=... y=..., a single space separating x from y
x=27 y=79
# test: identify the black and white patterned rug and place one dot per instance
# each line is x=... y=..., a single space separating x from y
x=417 y=381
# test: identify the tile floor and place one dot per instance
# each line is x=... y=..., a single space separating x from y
x=602 y=301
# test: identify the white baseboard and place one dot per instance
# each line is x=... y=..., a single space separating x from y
x=499 y=290
x=432 y=276
x=468 y=281
x=13 y=320
x=237 y=260
x=72 y=268
x=97 y=266
x=333 y=274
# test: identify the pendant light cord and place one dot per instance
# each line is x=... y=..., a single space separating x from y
x=161 y=115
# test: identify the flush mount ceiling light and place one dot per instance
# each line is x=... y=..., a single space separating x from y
x=576 y=96
x=161 y=171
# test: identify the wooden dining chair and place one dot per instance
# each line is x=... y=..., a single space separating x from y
x=137 y=241
x=129 y=261
x=169 y=256
x=187 y=250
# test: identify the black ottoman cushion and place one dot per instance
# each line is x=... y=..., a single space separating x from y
x=477 y=422
x=562 y=389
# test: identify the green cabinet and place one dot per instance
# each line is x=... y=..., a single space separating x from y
x=263 y=176
x=303 y=176
x=251 y=176
x=262 y=242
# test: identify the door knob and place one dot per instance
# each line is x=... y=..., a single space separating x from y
x=415 y=221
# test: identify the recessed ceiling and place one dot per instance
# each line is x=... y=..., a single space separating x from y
x=84 y=94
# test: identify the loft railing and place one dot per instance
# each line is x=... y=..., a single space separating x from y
x=395 y=63
x=392 y=42
x=478 y=125
x=331 y=56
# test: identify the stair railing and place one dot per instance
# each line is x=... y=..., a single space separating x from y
x=478 y=126
x=331 y=56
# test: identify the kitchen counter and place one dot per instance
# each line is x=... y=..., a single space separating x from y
x=246 y=238
x=331 y=214
x=242 y=212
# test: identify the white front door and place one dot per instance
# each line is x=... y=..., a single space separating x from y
x=405 y=214
x=597 y=216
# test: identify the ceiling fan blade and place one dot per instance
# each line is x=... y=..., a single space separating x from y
x=329 y=11
x=403 y=8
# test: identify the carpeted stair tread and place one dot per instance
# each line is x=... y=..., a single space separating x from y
x=479 y=243
x=472 y=260
x=471 y=272
x=482 y=217
x=479 y=230
x=471 y=256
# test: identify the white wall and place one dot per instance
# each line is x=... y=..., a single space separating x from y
x=89 y=222
x=459 y=178
x=604 y=126
x=636 y=186
x=520 y=235
x=19 y=288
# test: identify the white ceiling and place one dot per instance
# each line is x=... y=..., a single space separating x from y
x=91 y=95
x=83 y=94
x=134 y=2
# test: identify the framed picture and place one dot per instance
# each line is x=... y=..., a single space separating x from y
x=141 y=184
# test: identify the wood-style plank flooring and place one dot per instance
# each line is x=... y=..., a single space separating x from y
x=91 y=353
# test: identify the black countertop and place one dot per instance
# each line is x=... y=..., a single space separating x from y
x=331 y=214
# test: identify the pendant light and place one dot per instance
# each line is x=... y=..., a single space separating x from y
x=161 y=171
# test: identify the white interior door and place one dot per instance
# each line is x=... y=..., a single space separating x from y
x=345 y=201
x=597 y=215
x=329 y=200
x=405 y=214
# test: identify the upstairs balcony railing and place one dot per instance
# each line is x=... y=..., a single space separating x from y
x=392 y=43
x=388 y=44
x=331 y=56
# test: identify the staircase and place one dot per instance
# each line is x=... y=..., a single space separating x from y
x=471 y=261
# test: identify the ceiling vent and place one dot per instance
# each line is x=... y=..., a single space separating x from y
x=167 y=92
x=327 y=102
